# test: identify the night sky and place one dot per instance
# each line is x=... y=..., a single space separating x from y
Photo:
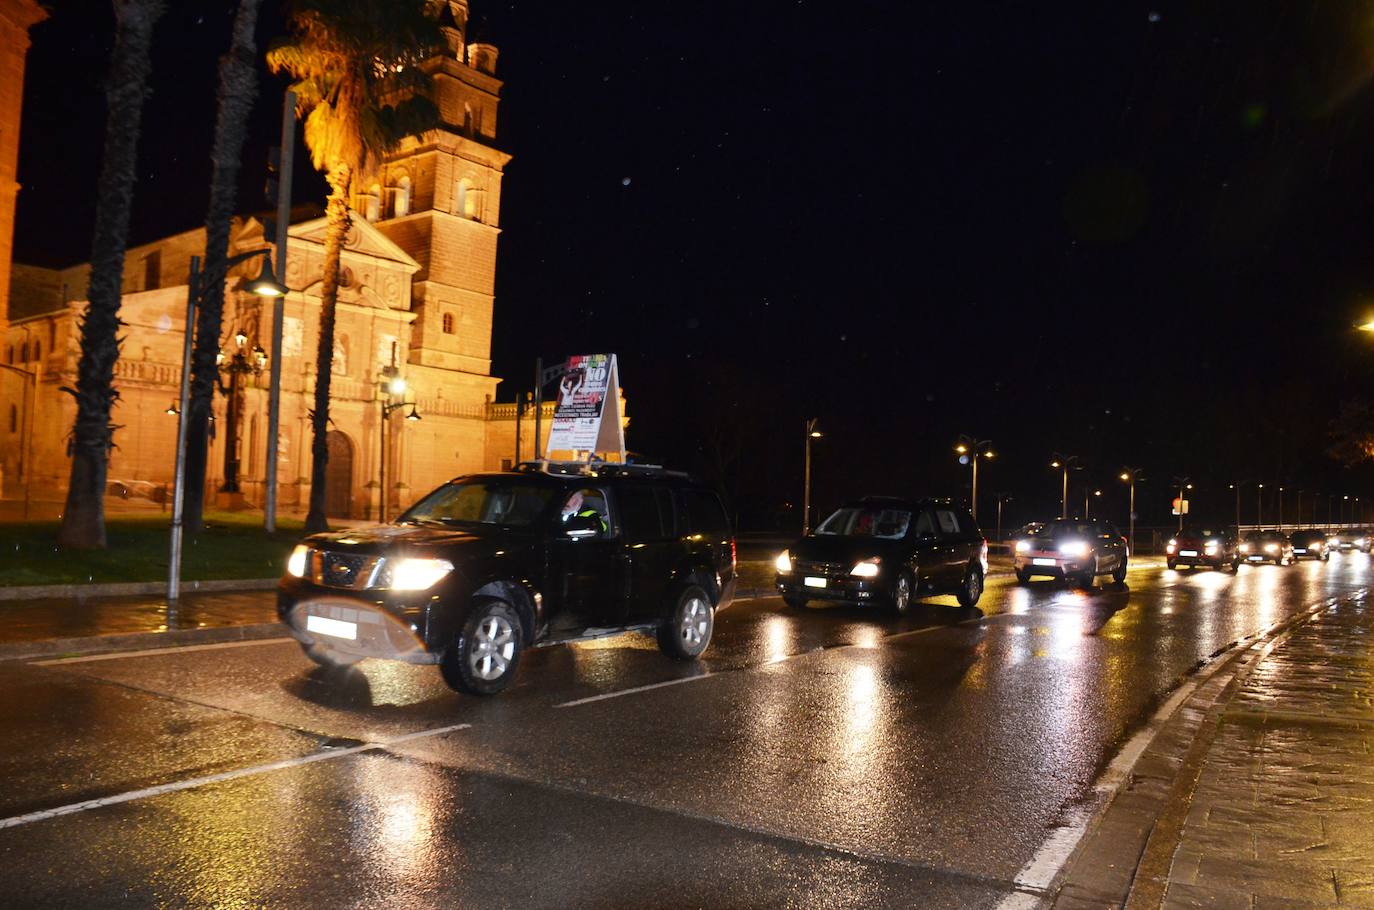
x=1134 y=232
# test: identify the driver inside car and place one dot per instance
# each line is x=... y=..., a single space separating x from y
x=583 y=503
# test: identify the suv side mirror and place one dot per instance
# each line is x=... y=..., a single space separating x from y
x=582 y=526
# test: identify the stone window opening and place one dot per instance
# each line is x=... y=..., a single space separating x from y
x=37 y=348
x=152 y=271
x=468 y=203
x=14 y=419
x=448 y=323
x=24 y=352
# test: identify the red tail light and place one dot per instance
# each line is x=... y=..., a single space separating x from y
x=732 y=555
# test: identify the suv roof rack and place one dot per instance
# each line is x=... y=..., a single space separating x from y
x=597 y=469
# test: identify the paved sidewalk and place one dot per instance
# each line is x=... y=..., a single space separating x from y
x=1283 y=811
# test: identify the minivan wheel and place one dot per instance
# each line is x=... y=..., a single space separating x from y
x=971 y=589
x=483 y=658
x=687 y=630
x=901 y=593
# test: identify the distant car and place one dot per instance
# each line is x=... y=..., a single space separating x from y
x=1310 y=545
x=1197 y=545
x=881 y=550
x=1349 y=539
x=1267 y=546
x=1073 y=549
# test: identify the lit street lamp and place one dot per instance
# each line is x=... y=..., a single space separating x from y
x=1131 y=475
x=1087 y=498
x=1065 y=462
x=1259 y=506
x=391 y=392
x=811 y=433
x=970 y=450
x=1280 y=508
x=236 y=365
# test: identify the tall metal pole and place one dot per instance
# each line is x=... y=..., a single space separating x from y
x=974 y=503
x=519 y=407
x=538 y=408
x=1280 y=508
x=1130 y=533
x=1180 y=507
x=381 y=480
x=179 y=475
x=1064 y=497
x=288 y=144
x=1259 y=507
x=806 y=481
x=999 y=519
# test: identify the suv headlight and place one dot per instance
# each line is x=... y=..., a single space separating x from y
x=1023 y=546
x=784 y=562
x=866 y=569
x=413 y=574
x=1210 y=548
x=295 y=563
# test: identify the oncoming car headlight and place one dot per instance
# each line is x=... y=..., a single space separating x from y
x=295 y=563
x=1271 y=548
x=1210 y=548
x=784 y=562
x=1073 y=548
x=1023 y=546
x=1245 y=548
x=413 y=573
x=866 y=569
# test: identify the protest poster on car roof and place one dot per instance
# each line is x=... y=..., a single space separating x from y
x=586 y=418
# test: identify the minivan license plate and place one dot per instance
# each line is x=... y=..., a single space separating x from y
x=334 y=627
x=813 y=582
x=1187 y=552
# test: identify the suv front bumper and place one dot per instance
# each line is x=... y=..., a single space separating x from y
x=351 y=624
x=848 y=590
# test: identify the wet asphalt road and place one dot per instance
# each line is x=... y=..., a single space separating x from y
x=831 y=757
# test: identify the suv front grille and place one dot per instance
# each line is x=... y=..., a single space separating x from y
x=343 y=570
x=822 y=569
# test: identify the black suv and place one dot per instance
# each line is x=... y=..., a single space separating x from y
x=886 y=551
x=490 y=564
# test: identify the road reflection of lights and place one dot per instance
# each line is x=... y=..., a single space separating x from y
x=398 y=832
x=1166 y=610
x=863 y=710
x=868 y=638
x=1019 y=601
x=778 y=637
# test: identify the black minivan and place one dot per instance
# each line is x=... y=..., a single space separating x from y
x=490 y=564
x=881 y=550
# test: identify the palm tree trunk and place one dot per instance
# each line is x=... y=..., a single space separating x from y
x=238 y=85
x=126 y=88
x=336 y=229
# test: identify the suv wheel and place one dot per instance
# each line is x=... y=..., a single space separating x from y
x=901 y=593
x=971 y=589
x=687 y=630
x=482 y=660
x=1119 y=573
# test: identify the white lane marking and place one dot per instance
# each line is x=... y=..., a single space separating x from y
x=617 y=694
x=194 y=782
x=120 y=655
x=1037 y=875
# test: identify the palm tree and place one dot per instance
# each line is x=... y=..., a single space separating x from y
x=126 y=88
x=238 y=84
x=360 y=87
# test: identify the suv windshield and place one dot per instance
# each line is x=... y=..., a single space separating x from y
x=1199 y=532
x=866 y=521
x=483 y=502
x=1065 y=529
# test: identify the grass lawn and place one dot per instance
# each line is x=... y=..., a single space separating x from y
x=231 y=546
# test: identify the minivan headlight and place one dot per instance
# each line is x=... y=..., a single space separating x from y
x=414 y=574
x=1073 y=548
x=295 y=563
x=784 y=562
x=866 y=569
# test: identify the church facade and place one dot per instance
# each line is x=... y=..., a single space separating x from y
x=417 y=285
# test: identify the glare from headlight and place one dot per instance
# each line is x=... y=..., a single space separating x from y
x=1210 y=547
x=295 y=564
x=413 y=574
x=1073 y=548
x=784 y=562
x=866 y=569
x=1023 y=546
x=1245 y=548
x=1271 y=548
x=1173 y=542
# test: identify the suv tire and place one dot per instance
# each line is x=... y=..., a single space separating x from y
x=1119 y=573
x=483 y=658
x=902 y=591
x=687 y=630
x=971 y=589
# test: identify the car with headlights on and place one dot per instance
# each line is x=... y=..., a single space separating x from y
x=1197 y=545
x=886 y=551
x=1310 y=545
x=1267 y=546
x=1072 y=549
x=1348 y=539
x=489 y=565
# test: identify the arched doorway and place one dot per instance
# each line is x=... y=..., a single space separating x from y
x=338 y=476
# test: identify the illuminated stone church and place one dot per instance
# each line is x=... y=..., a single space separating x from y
x=416 y=291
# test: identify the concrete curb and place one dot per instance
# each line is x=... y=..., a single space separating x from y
x=138 y=641
x=1118 y=862
x=133 y=588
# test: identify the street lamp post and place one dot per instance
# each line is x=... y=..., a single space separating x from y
x=1087 y=498
x=391 y=389
x=811 y=433
x=972 y=448
x=1131 y=475
x=1065 y=462
x=1298 y=523
x=1001 y=499
x=1280 y=508
x=236 y=365
x=1345 y=510
x=1259 y=506
x=265 y=285
x=1183 y=485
